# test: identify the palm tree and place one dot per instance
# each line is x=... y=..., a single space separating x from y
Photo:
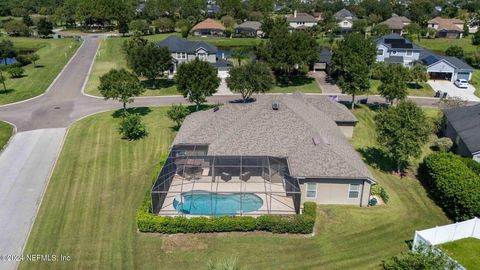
x=240 y=53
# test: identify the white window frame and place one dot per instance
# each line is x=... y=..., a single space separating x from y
x=306 y=190
x=351 y=190
x=378 y=52
x=409 y=53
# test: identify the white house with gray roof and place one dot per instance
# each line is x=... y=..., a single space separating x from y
x=345 y=19
x=185 y=51
x=395 y=49
x=306 y=136
x=299 y=21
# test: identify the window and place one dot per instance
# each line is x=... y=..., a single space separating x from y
x=409 y=53
x=353 y=191
x=345 y=23
x=311 y=190
x=394 y=52
x=380 y=52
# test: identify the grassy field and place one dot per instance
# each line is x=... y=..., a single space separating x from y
x=88 y=212
x=54 y=54
x=111 y=55
x=5 y=133
x=440 y=45
x=290 y=84
x=465 y=251
x=425 y=90
x=476 y=82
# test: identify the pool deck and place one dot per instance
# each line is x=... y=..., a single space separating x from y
x=273 y=194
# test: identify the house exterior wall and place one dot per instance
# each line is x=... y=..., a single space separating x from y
x=302 y=24
x=476 y=157
x=208 y=32
x=345 y=24
x=336 y=191
x=347 y=128
x=409 y=56
x=211 y=58
x=462 y=74
x=450 y=132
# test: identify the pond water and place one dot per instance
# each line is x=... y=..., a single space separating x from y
x=11 y=60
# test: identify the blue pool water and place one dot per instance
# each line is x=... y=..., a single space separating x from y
x=200 y=202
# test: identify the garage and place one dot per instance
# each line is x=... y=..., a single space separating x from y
x=440 y=76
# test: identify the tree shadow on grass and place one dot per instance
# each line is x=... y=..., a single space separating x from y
x=39 y=66
x=293 y=80
x=414 y=86
x=159 y=84
x=140 y=110
x=8 y=91
x=377 y=158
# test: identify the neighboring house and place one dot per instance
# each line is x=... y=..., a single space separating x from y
x=462 y=125
x=295 y=145
x=208 y=28
x=318 y=16
x=345 y=20
x=395 y=49
x=396 y=23
x=324 y=61
x=249 y=28
x=473 y=25
x=213 y=9
x=299 y=21
x=184 y=51
x=447 y=28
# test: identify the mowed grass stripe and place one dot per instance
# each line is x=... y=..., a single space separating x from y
x=347 y=237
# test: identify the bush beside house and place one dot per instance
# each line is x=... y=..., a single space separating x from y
x=298 y=224
x=454 y=186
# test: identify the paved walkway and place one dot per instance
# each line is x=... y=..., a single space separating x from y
x=453 y=91
x=327 y=87
x=25 y=168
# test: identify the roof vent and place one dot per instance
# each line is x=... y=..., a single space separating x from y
x=315 y=141
x=275 y=105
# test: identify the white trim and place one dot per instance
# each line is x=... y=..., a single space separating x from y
x=350 y=190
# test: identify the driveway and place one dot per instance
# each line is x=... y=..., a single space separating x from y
x=327 y=87
x=25 y=167
x=453 y=91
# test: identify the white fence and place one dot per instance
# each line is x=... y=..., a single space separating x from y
x=448 y=233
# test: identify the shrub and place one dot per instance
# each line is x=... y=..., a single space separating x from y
x=380 y=191
x=455 y=187
x=177 y=114
x=443 y=144
x=472 y=165
x=303 y=223
x=455 y=50
x=23 y=60
x=15 y=71
x=132 y=127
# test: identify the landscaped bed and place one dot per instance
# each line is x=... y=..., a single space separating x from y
x=465 y=251
x=54 y=55
x=90 y=205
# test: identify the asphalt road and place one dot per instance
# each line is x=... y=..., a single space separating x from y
x=41 y=123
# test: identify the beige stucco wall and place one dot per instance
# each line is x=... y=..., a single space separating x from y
x=347 y=130
x=335 y=191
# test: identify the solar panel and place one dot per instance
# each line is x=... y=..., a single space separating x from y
x=398 y=43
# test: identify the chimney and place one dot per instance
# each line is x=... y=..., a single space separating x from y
x=295 y=13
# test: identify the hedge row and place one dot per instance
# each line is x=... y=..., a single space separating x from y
x=301 y=224
x=455 y=187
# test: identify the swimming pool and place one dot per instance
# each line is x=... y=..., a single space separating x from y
x=199 y=202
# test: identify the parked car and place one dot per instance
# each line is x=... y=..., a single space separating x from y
x=461 y=83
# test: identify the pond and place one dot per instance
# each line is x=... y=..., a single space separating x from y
x=9 y=61
x=226 y=52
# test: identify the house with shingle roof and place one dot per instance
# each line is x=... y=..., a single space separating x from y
x=447 y=28
x=304 y=132
x=208 y=28
x=395 y=49
x=184 y=51
x=345 y=19
x=462 y=125
x=396 y=23
x=249 y=28
x=299 y=21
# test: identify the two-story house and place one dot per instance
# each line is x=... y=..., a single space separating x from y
x=184 y=51
x=345 y=20
x=395 y=49
x=447 y=28
x=396 y=23
x=299 y=21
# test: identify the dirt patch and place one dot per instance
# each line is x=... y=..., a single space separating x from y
x=182 y=243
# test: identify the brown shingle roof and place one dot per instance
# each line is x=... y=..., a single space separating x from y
x=396 y=22
x=255 y=129
x=209 y=24
x=301 y=17
x=447 y=24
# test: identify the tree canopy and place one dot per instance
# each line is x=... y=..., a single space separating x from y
x=351 y=61
x=394 y=82
x=197 y=80
x=254 y=77
x=402 y=131
x=121 y=85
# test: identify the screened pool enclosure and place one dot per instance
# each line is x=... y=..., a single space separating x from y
x=194 y=183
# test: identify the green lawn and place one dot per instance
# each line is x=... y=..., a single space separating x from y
x=290 y=84
x=54 y=54
x=425 y=90
x=465 y=251
x=88 y=212
x=111 y=55
x=440 y=45
x=229 y=42
x=476 y=82
x=6 y=131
